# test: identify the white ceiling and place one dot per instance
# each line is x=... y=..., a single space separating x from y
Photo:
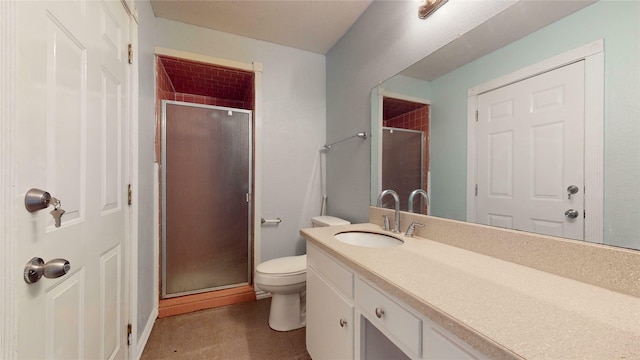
x=312 y=25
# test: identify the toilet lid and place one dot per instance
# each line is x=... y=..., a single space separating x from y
x=284 y=266
x=328 y=221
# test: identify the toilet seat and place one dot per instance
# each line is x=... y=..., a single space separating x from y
x=284 y=265
x=324 y=220
x=283 y=271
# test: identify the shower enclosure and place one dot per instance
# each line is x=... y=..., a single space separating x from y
x=402 y=163
x=206 y=198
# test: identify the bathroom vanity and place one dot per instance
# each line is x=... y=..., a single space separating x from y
x=475 y=293
x=348 y=316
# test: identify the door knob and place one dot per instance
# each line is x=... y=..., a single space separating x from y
x=571 y=213
x=36 y=268
x=571 y=190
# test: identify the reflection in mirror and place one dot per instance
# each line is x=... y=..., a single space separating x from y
x=402 y=161
x=405 y=161
x=531 y=139
x=618 y=25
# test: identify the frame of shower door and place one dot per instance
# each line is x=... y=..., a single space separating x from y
x=164 y=198
x=422 y=137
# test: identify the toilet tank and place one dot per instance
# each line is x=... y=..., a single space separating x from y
x=319 y=221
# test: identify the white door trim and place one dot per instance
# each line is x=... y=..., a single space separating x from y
x=134 y=208
x=8 y=241
x=593 y=56
x=256 y=68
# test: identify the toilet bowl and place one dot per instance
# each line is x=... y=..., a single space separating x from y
x=286 y=279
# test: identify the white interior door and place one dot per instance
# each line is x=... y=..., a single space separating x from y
x=530 y=150
x=72 y=141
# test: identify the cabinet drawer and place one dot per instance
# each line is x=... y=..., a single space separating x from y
x=390 y=317
x=441 y=344
x=336 y=274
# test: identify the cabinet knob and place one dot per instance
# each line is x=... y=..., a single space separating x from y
x=343 y=322
x=379 y=313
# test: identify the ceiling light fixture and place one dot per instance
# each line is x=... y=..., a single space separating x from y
x=428 y=7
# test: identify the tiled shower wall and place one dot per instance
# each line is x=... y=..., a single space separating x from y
x=415 y=120
x=226 y=83
x=166 y=90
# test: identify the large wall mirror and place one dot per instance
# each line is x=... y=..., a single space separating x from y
x=445 y=84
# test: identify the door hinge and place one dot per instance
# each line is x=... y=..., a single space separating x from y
x=248 y=198
x=129 y=338
x=130 y=54
x=129 y=194
x=476 y=189
x=476 y=115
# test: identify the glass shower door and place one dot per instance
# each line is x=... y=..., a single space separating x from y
x=402 y=162
x=206 y=212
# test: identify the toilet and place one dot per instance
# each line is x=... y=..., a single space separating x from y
x=286 y=279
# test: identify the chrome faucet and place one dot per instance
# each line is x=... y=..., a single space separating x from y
x=385 y=220
x=396 y=218
x=412 y=228
x=413 y=194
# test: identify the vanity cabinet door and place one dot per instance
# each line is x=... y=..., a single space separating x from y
x=330 y=321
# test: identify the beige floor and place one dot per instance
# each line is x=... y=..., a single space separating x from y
x=238 y=331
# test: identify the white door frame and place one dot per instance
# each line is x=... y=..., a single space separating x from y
x=256 y=68
x=8 y=196
x=8 y=241
x=593 y=56
x=134 y=349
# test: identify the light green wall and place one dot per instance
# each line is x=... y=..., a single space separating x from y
x=618 y=23
x=408 y=86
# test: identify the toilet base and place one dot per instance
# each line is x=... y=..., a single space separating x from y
x=288 y=311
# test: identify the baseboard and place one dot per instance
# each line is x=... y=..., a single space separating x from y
x=191 y=303
x=144 y=337
x=261 y=294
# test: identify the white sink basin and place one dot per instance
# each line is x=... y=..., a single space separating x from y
x=368 y=239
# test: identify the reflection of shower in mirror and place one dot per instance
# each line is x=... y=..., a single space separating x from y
x=361 y=135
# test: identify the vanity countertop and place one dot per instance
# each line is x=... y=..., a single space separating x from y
x=503 y=309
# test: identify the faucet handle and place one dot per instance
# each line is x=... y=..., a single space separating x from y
x=386 y=222
x=412 y=228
